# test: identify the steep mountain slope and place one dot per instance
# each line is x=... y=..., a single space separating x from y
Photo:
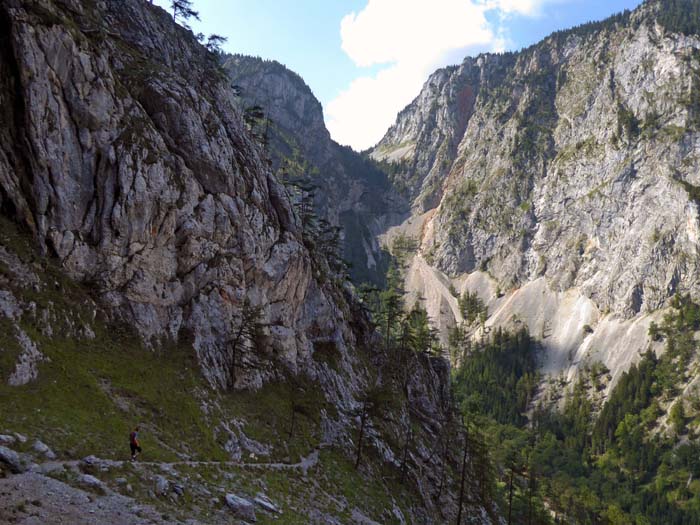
x=423 y=142
x=556 y=190
x=154 y=269
x=351 y=192
x=560 y=184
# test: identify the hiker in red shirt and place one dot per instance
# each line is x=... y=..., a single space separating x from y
x=134 y=443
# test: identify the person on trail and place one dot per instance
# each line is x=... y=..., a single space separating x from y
x=134 y=443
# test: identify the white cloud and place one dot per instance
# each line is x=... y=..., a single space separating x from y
x=395 y=30
x=522 y=7
x=410 y=38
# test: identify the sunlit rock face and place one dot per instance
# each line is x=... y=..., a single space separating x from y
x=125 y=151
x=571 y=167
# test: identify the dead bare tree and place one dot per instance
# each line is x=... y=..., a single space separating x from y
x=464 y=471
x=363 y=420
x=248 y=329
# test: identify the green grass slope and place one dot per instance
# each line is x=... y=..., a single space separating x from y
x=90 y=392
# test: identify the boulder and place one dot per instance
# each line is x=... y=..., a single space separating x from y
x=241 y=507
x=91 y=482
x=262 y=501
x=48 y=468
x=92 y=464
x=12 y=460
x=162 y=486
x=7 y=440
x=91 y=461
x=43 y=449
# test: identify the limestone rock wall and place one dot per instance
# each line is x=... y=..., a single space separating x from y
x=575 y=161
x=123 y=150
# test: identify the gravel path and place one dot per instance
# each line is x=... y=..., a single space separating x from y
x=35 y=498
x=305 y=464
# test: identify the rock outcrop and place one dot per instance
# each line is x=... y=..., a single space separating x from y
x=241 y=507
x=128 y=158
x=13 y=461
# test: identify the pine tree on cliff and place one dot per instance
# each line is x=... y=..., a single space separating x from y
x=182 y=9
x=214 y=43
x=424 y=336
x=374 y=403
x=462 y=478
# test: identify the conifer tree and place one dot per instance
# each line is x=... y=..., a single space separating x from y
x=372 y=404
x=677 y=417
x=462 y=479
x=183 y=10
x=214 y=43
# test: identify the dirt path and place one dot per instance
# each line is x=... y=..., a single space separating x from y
x=304 y=465
x=35 y=498
x=40 y=496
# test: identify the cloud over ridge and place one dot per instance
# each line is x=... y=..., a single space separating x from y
x=409 y=39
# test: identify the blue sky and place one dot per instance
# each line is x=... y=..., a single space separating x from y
x=366 y=59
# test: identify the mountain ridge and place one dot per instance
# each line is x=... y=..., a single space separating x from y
x=530 y=189
x=349 y=190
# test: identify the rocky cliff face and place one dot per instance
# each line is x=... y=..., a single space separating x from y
x=350 y=191
x=135 y=169
x=561 y=183
x=125 y=156
x=423 y=142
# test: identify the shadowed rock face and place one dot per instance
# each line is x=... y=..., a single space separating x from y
x=575 y=161
x=125 y=153
x=351 y=191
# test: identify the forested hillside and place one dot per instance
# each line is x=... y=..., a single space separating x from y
x=634 y=459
